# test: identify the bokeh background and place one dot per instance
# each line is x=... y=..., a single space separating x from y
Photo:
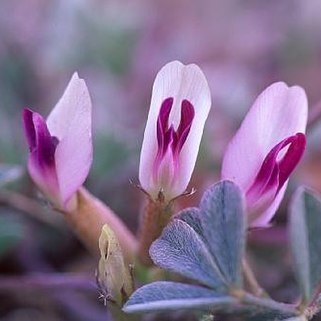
x=118 y=47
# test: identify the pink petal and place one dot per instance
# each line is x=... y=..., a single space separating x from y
x=41 y=163
x=179 y=82
x=273 y=174
x=275 y=170
x=264 y=218
x=70 y=121
x=278 y=113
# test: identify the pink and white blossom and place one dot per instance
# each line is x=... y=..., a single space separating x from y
x=180 y=104
x=61 y=146
x=267 y=148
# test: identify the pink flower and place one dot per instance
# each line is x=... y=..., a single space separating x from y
x=267 y=148
x=180 y=105
x=61 y=147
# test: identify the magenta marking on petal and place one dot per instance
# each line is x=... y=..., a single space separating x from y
x=29 y=128
x=41 y=144
x=164 y=134
x=167 y=137
x=273 y=172
x=187 y=116
x=291 y=159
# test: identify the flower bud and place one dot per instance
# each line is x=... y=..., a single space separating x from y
x=61 y=147
x=179 y=107
x=114 y=277
x=267 y=148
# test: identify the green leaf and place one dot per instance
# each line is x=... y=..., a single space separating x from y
x=264 y=309
x=223 y=223
x=305 y=238
x=207 y=244
x=166 y=296
x=180 y=249
x=192 y=216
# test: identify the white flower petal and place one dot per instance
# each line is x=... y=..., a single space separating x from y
x=70 y=121
x=279 y=112
x=180 y=82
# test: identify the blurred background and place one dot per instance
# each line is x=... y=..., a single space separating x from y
x=118 y=47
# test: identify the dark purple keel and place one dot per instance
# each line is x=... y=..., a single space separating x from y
x=274 y=173
x=41 y=144
x=167 y=137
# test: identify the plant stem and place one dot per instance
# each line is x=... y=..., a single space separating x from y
x=88 y=219
x=251 y=281
x=27 y=205
x=270 y=304
x=48 y=281
x=155 y=217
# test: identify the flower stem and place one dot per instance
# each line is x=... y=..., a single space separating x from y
x=48 y=281
x=156 y=216
x=27 y=205
x=270 y=304
x=87 y=220
x=251 y=281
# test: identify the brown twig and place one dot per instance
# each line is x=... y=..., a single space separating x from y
x=154 y=218
x=251 y=281
x=88 y=219
x=29 y=206
x=47 y=281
